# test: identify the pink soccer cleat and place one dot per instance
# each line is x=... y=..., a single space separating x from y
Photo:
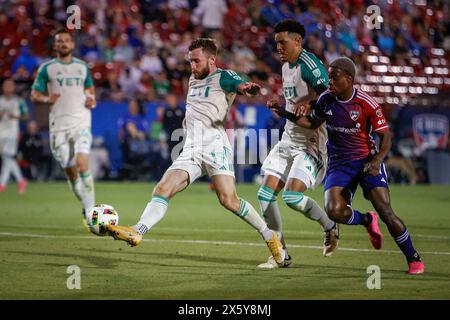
x=416 y=267
x=2 y=188
x=375 y=235
x=22 y=186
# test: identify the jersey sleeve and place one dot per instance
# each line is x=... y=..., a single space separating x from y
x=376 y=116
x=315 y=75
x=88 y=82
x=319 y=112
x=230 y=80
x=40 y=83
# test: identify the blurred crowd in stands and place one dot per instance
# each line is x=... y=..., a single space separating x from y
x=136 y=49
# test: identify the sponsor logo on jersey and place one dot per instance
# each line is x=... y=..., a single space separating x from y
x=344 y=130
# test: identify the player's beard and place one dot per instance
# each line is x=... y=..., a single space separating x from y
x=202 y=74
x=62 y=53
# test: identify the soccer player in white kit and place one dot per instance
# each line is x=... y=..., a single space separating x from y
x=207 y=149
x=298 y=161
x=71 y=95
x=12 y=109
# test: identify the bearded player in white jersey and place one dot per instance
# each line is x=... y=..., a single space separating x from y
x=207 y=149
x=66 y=84
x=298 y=162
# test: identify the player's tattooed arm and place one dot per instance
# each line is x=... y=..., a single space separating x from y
x=249 y=88
x=39 y=97
x=90 y=97
x=373 y=167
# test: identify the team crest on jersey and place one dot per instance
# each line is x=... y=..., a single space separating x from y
x=354 y=115
x=316 y=72
x=379 y=113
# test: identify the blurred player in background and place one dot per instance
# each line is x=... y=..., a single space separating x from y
x=351 y=115
x=12 y=109
x=207 y=149
x=297 y=163
x=71 y=95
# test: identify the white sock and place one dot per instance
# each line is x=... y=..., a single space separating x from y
x=10 y=166
x=15 y=170
x=6 y=170
x=250 y=215
x=304 y=204
x=153 y=213
x=77 y=189
x=271 y=212
x=88 y=194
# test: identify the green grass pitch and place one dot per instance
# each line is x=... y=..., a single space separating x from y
x=201 y=251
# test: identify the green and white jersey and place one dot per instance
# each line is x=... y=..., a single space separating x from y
x=304 y=75
x=208 y=101
x=9 y=127
x=69 y=80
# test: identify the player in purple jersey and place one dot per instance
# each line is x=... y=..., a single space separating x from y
x=351 y=115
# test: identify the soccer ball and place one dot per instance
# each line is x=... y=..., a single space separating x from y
x=101 y=215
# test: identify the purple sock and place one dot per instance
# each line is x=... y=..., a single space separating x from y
x=404 y=242
x=359 y=218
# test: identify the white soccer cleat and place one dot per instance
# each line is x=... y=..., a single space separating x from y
x=271 y=263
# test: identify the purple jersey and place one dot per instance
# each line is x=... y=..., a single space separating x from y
x=349 y=124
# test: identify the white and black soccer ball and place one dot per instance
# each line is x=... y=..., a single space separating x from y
x=101 y=215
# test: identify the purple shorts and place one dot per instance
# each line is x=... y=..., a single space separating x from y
x=350 y=174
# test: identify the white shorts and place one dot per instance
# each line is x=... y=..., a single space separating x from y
x=286 y=161
x=8 y=146
x=66 y=144
x=213 y=159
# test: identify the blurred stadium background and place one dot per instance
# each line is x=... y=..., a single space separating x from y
x=136 y=52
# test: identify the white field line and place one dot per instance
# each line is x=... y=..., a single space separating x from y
x=290 y=232
x=230 y=243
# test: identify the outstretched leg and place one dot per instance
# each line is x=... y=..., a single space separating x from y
x=226 y=192
x=171 y=183
x=381 y=201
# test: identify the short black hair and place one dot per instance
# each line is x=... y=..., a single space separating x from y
x=290 y=25
x=206 y=44
x=62 y=30
x=345 y=64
